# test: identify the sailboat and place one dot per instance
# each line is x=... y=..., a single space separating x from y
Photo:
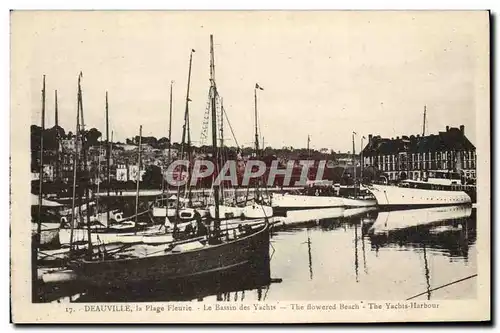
x=199 y=257
x=187 y=212
x=284 y=202
x=223 y=210
x=308 y=198
x=257 y=209
x=164 y=207
x=356 y=200
x=167 y=208
x=43 y=235
x=91 y=231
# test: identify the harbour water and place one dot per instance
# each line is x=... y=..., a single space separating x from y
x=353 y=255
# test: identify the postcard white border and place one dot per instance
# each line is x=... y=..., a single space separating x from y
x=455 y=309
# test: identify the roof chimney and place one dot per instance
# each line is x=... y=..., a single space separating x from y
x=447 y=128
x=370 y=137
x=462 y=129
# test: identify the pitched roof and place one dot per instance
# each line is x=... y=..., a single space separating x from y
x=451 y=139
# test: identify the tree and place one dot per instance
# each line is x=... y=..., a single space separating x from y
x=152 y=177
x=36 y=132
x=163 y=143
x=93 y=136
x=149 y=140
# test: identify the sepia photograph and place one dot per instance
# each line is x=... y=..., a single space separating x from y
x=250 y=166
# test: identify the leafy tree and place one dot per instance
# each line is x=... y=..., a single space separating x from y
x=93 y=136
x=152 y=177
x=163 y=143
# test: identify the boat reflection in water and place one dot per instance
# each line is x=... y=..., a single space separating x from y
x=220 y=285
x=300 y=218
x=448 y=229
x=354 y=254
x=394 y=220
x=350 y=217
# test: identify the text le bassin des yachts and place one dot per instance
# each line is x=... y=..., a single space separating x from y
x=255 y=307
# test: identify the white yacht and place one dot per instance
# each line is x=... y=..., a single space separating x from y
x=286 y=202
x=438 y=189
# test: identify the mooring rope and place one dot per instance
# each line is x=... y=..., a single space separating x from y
x=444 y=285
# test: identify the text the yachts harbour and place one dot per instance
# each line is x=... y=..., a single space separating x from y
x=209 y=173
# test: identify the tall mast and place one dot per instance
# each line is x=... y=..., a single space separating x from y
x=222 y=142
x=257 y=150
x=170 y=127
x=354 y=161
x=221 y=123
x=186 y=122
x=186 y=111
x=36 y=239
x=56 y=117
x=188 y=129
x=256 y=121
x=75 y=166
x=169 y=137
x=308 y=142
x=98 y=178
x=138 y=177
x=425 y=115
x=213 y=96
x=40 y=190
x=108 y=158
x=361 y=159
x=85 y=148
x=189 y=156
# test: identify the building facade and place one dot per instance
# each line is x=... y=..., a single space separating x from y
x=126 y=172
x=417 y=157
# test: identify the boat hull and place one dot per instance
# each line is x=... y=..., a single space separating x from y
x=395 y=197
x=163 y=212
x=256 y=211
x=299 y=217
x=125 y=236
x=287 y=202
x=251 y=250
x=226 y=212
x=348 y=202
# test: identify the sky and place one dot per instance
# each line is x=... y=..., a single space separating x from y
x=324 y=74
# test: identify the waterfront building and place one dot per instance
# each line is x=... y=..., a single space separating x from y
x=126 y=172
x=414 y=157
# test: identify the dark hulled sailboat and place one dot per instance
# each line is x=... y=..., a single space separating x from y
x=215 y=253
